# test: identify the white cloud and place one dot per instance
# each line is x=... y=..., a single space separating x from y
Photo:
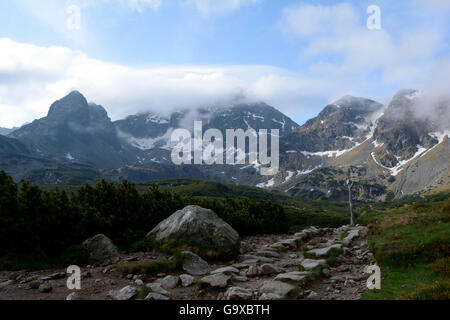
x=32 y=77
x=210 y=7
x=337 y=43
x=435 y=5
x=311 y=20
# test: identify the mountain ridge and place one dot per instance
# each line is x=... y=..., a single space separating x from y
x=382 y=140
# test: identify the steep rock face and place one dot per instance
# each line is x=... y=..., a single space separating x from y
x=400 y=133
x=201 y=226
x=151 y=133
x=430 y=171
x=339 y=126
x=76 y=131
x=6 y=131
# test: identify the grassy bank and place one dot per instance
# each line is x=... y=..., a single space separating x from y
x=411 y=245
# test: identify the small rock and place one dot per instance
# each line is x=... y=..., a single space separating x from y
x=252 y=271
x=157 y=288
x=352 y=234
x=6 y=283
x=245 y=247
x=187 y=280
x=241 y=278
x=226 y=270
x=310 y=264
x=289 y=243
x=267 y=254
x=156 y=296
x=54 y=276
x=73 y=296
x=278 y=247
x=324 y=252
x=245 y=264
x=126 y=293
x=312 y=296
x=45 y=288
x=245 y=257
x=238 y=293
x=34 y=284
x=169 y=282
x=218 y=280
x=195 y=265
x=267 y=269
x=29 y=279
x=295 y=276
x=139 y=282
x=101 y=249
x=270 y=296
x=279 y=288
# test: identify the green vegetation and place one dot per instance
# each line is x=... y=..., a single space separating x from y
x=44 y=224
x=411 y=245
x=334 y=253
x=143 y=292
x=151 y=268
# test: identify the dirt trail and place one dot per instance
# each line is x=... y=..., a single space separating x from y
x=267 y=268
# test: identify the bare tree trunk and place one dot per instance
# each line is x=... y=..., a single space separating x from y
x=352 y=219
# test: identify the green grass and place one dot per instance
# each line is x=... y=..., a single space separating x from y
x=400 y=281
x=411 y=245
x=74 y=255
x=143 y=292
x=334 y=253
x=151 y=268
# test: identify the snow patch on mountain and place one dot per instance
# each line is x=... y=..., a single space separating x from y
x=162 y=142
x=400 y=166
x=69 y=156
x=268 y=184
x=156 y=119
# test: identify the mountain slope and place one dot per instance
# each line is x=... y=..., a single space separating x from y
x=6 y=131
x=76 y=131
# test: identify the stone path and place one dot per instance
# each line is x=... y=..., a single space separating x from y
x=269 y=267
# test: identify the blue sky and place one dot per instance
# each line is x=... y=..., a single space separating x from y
x=137 y=55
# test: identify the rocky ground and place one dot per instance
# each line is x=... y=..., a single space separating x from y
x=269 y=267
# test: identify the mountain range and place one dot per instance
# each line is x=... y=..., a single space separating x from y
x=395 y=150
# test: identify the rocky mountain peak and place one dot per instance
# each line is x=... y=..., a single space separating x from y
x=73 y=102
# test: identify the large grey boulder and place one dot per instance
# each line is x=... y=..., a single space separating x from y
x=200 y=226
x=101 y=249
